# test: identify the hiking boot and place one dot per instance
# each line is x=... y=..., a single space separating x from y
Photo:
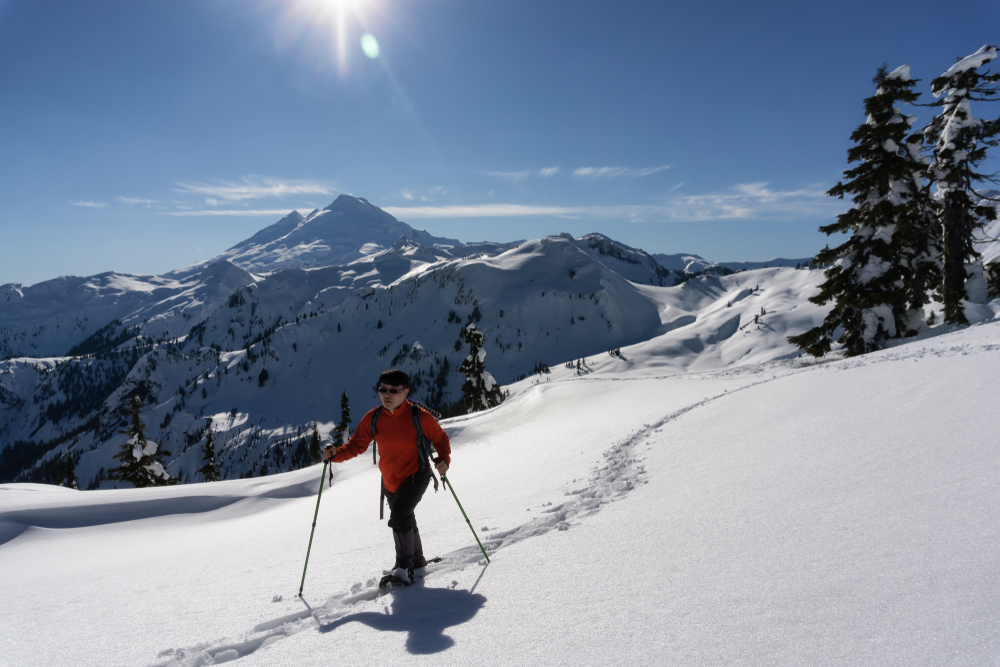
x=402 y=574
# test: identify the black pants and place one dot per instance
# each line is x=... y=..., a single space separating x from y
x=403 y=521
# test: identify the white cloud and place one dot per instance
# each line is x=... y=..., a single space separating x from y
x=89 y=204
x=256 y=187
x=410 y=195
x=136 y=200
x=280 y=211
x=746 y=201
x=548 y=171
x=616 y=172
x=512 y=176
x=479 y=211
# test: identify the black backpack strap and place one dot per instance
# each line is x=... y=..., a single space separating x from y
x=423 y=446
x=375 y=416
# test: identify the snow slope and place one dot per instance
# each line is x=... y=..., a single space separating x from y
x=49 y=318
x=840 y=513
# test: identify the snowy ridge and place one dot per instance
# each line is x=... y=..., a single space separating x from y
x=546 y=301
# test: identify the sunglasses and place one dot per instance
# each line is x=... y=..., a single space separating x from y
x=391 y=390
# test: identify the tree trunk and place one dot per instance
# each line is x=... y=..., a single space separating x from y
x=955 y=251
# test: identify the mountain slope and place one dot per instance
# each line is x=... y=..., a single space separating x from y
x=843 y=513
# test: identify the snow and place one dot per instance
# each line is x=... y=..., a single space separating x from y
x=787 y=512
x=902 y=73
x=975 y=61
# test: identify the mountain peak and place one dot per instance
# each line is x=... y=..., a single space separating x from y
x=349 y=201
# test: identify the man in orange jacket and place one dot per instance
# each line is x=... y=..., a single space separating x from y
x=406 y=473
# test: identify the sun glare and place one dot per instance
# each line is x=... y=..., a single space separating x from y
x=326 y=34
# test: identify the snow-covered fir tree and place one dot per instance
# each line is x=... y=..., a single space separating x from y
x=479 y=391
x=315 y=451
x=209 y=472
x=342 y=431
x=959 y=141
x=879 y=276
x=141 y=459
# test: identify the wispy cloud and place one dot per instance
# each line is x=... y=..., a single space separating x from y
x=204 y=212
x=616 y=172
x=746 y=201
x=136 y=200
x=512 y=176
x=548 y=171
x=254 y=187
x=479 y=211
x=412 y=195
x=89 y=204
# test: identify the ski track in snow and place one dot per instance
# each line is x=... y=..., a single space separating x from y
x=620 y=472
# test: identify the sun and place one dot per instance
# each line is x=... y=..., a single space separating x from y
x=327 y=33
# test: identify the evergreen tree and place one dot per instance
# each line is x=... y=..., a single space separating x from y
x=141 y=459
x=68 y=478
x=877 y=278
x=993 y=279
x=209 y=471
x=959 y=141
x=342 y=430
x=315 y=455
x=479 y=391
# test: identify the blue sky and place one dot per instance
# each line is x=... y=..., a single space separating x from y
x=145 y=136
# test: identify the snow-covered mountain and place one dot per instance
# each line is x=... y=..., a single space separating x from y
x=683 y=262
x=348 y=229
x=261 y=356
x=50 y=318
x=777 y=261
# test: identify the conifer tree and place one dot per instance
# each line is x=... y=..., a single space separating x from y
x=479 y=391
x=959 y=141
x=68 y=476
x=315 y=455
x=878 y=277
x=342 y=431
x=141 y=459
x=210 y=472
x=993 y=279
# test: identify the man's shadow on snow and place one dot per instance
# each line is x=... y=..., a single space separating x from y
x=425 y=613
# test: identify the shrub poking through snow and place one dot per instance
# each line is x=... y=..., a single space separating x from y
x=878 y=278
x=141 y=459
x=480 y=391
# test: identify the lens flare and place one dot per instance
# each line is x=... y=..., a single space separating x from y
x=370 y=46
x=318 y=33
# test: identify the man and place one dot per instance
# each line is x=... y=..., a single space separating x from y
x=405 y=473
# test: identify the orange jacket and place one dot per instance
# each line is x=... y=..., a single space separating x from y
x=397 y=443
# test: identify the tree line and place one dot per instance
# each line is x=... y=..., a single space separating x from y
x=916 y=216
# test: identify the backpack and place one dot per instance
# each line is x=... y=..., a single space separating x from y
x=423 y=447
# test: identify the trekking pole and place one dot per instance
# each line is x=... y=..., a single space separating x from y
x=316 y=514
x=444 y=478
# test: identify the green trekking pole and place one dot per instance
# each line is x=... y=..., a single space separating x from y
x=444 y=479
x=316 y=514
